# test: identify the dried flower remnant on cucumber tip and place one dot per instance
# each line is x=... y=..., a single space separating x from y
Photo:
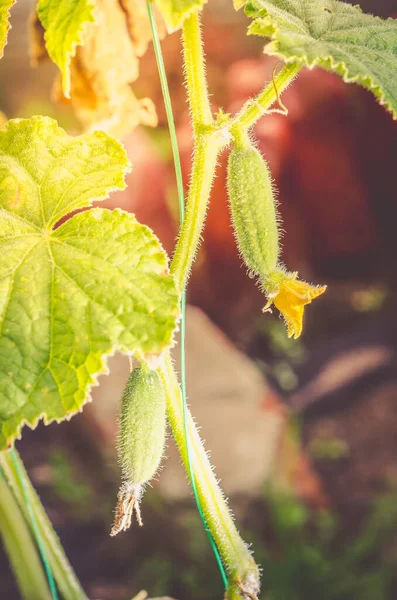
x=141 y=441
x=128 y=500
x=256 y=225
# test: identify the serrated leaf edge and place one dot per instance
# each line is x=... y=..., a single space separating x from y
x=152 y=360
x=94 y=383
x=272 y=49
x=8 y=27
x=68 y=415
x=174 y=25
x=59 y=131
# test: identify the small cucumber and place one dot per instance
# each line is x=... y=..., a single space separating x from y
x=141 y=440
x=255 y=221
x=253 y=209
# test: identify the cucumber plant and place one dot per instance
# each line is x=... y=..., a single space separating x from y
x=73 y=291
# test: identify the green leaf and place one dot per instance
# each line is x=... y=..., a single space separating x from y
x=64 y=22
x=5 y=6
x=335 y=36
x=73 y=293
x=174 y=12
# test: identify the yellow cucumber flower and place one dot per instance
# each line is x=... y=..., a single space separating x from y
x=290 y=296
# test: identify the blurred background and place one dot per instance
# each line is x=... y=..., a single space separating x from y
x=303 y=433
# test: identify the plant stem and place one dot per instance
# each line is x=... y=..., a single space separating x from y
x=254 y=109
x=235 y=555
x=203 y=170
x=65 y=577
x=194 y=64
x=209 y=141
x=21 y=550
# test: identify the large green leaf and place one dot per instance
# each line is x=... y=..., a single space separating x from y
x=64 y=22
x=5 y=6
x=174 y=12
x=333 y=35
x=70 y=294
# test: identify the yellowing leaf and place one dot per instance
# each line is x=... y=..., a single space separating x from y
x=74 y=293
x=174 y=12
x=139 y=24
x=37 y=48
x=105 y=66
x=335 y=36
x=5 y=6
x=64 y=22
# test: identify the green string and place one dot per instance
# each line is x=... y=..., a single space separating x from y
x=36 y=530
x=179 y=182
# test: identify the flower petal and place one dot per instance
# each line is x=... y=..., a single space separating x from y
x=293 y=315
x=290 y=298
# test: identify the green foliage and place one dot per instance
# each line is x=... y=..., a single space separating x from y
x=71 y=294
x=156 y=572
x=64 y=24
x=328 y=448
x=174 y=12
x=335 y=36
x=69 y=487
x=5 y=6
x=304 y=554
x=310 y=559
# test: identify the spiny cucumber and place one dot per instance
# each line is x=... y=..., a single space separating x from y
x=255 y=221
x=253 y=209
x=141 y=440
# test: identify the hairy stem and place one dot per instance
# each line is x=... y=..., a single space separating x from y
x=235 y=555
x=65 y=577
x=20 y=548
x=242 y=572
x=208 y=144
x=203 y=171
x=254 y=109
x=194 y=64
x=209 y=141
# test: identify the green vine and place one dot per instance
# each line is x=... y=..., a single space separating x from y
x=21 y=548
x=243 y=573
x=14 y=473
x=240 y=565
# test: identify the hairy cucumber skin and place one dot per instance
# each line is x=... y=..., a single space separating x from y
x=253 y=209
x=142 y=429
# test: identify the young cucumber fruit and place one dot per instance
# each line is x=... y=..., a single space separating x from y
x=253 y=209
x=141 y=440
x=255 y=220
